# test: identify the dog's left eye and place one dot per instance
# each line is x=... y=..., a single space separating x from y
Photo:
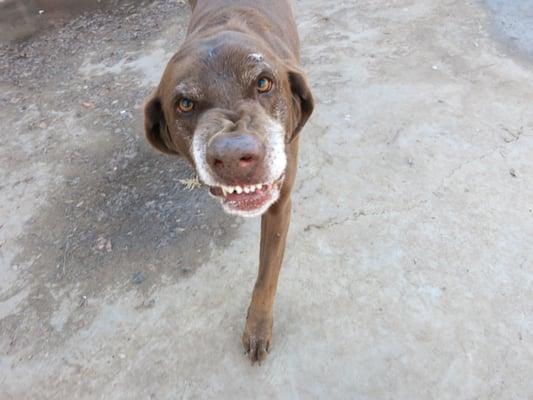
x=264 y=85
x=185 y=105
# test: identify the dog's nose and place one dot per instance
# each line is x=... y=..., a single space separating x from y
x=235 y=157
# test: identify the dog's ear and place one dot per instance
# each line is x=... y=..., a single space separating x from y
x=155 y=127
x=302 y=100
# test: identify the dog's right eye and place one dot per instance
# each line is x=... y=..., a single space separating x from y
x=264 y=85
x=185 y=105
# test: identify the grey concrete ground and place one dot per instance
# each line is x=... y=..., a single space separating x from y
x=409 y=270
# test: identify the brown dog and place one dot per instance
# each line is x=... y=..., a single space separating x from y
x=232 y=101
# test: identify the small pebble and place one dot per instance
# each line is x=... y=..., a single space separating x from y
x=137 y=278
x=88 y=104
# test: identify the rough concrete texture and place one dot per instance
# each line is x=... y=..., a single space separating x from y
x=408 y=272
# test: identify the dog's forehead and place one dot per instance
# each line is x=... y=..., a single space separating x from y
x=217 y=66
x=230 y=50
x=230 y=56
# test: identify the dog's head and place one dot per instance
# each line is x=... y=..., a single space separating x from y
x=230 y=106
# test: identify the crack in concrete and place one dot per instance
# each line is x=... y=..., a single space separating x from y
x=515 y=138
x=329 y=223
x=362 y=213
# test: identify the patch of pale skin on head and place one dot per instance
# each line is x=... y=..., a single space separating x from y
x=187 y=89
x=199 y=153
x=258 y=65
x=256 y=57
x=275 y=149
x=279 y=110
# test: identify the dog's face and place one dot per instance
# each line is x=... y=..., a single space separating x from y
x=229 y=106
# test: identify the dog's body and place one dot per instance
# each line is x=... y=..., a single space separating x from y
x=232 y=101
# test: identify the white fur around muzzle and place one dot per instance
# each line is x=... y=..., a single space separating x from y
x=275 y=163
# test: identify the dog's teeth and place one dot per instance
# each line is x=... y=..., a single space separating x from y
x=238 y=189
x=224 y=191
x=246 y=189
x=252 y=188
x=259 y=186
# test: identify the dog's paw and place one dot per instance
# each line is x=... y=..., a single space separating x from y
x=257 y=336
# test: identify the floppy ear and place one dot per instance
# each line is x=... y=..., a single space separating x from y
x=302 y=100
x=155 y=127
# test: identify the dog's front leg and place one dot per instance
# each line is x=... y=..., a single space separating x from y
x=257 y=336
x=258 y=330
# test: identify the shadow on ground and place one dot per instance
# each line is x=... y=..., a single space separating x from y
x=120 y=217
